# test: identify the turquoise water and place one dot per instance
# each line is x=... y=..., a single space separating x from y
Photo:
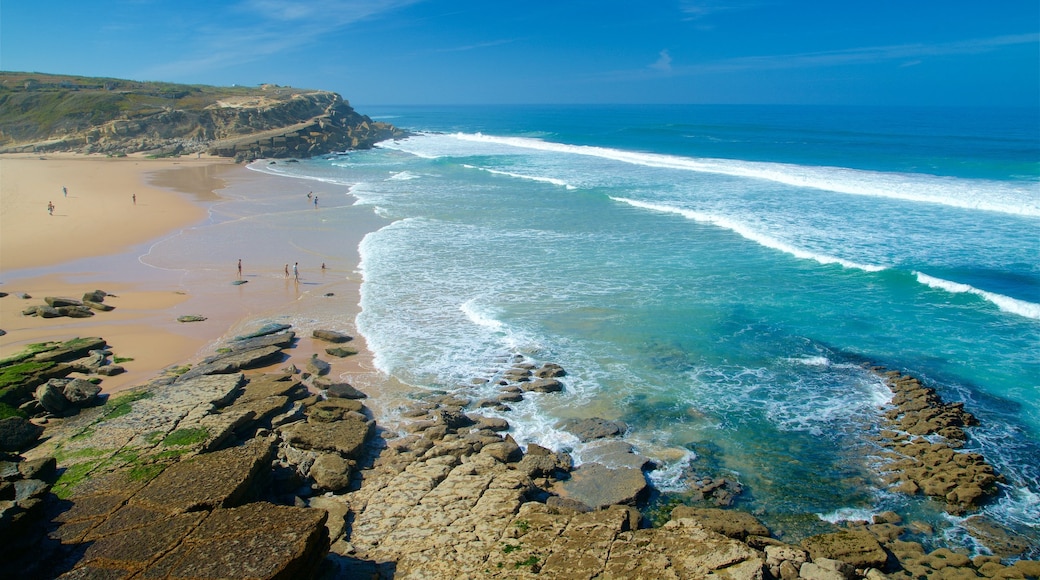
x=717 y=277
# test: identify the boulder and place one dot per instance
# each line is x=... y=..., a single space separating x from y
x=56 y=302
x=453 y=420
x=70 y=350
x=75 y=311
x=506 y=451
x=549 y=371
x=617 y=453
x=17 y=433
x=51 y=396
x=826 y=569
x=279 y=339
x=81 y=393
x=334 y=410
x=732 y=523
x=316 y=366
x=331 y=472
x=346 y=437
x=95 y=296
x=43 y=312
x=544 y=386
x=264 y=330
x=858 y=548
x=110 y=370
x=191 y=318
x=341 y=351
x=344 y=391
x=492 y=423
x=98 y=306
x=594 y=428
x=599 y=486
x=43 y=468
x=331 y=336
x=234 y=362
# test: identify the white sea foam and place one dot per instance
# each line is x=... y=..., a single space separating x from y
x=403 y=176
x=812 y=361
x=747 y=232
x=847 y=514
x=479 y=317
x=1011 y=198
x=1005 y=303
x=551 y=180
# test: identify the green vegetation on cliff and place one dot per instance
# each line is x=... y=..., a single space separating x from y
x=42 y=112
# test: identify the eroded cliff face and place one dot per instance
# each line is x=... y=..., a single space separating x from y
x=116 y=119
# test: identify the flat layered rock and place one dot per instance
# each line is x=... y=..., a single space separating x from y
x=208 y=481
x=598 y=486
x=346 y=437
x=236 y=361
x=332 y=336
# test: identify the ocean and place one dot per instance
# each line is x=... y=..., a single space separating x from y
x=720 y=278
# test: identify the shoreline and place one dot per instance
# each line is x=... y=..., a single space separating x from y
x=174 y=196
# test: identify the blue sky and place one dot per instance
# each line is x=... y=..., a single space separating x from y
x=381 y=52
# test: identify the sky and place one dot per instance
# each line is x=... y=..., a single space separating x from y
x=397 y=52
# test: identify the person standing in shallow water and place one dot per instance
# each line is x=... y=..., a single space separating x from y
x=296 y=271
x=240 y=268
x=287 y=271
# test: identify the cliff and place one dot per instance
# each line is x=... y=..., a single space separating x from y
x=40 y=113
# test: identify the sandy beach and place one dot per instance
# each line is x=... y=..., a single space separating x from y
x=116 y=209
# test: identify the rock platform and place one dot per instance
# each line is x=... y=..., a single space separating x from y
x=239 y=473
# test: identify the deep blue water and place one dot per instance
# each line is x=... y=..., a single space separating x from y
x=718 y=278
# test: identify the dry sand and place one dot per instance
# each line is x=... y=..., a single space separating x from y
x=56 y=255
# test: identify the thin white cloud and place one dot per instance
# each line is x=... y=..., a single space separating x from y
x=701 y=9
x=270 y=27
x=664 y=62
x=477 y=46
x=908 y=54
x=871 y=54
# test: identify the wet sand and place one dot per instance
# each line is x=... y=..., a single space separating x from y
x=96 y=240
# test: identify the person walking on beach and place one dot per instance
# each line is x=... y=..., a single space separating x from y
x=65 y=190
x=287 y=271
x=135 y=199
x=315 y=201
x=296 y=271
x=50 y=208
x=240 y=268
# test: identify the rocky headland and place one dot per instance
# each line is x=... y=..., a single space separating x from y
x=42 y=113
x=253 y=464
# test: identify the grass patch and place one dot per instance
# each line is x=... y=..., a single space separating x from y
x=64 y=456
x=530 y=561
x=146 y=472
x=84 y=434
x=178 y=371
x=522 y=525
x=186 y=437
x=9 y=411
x=510 y=548
x=18 y=373
x=122 y=405
x=29 y=352
x=71 y=477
